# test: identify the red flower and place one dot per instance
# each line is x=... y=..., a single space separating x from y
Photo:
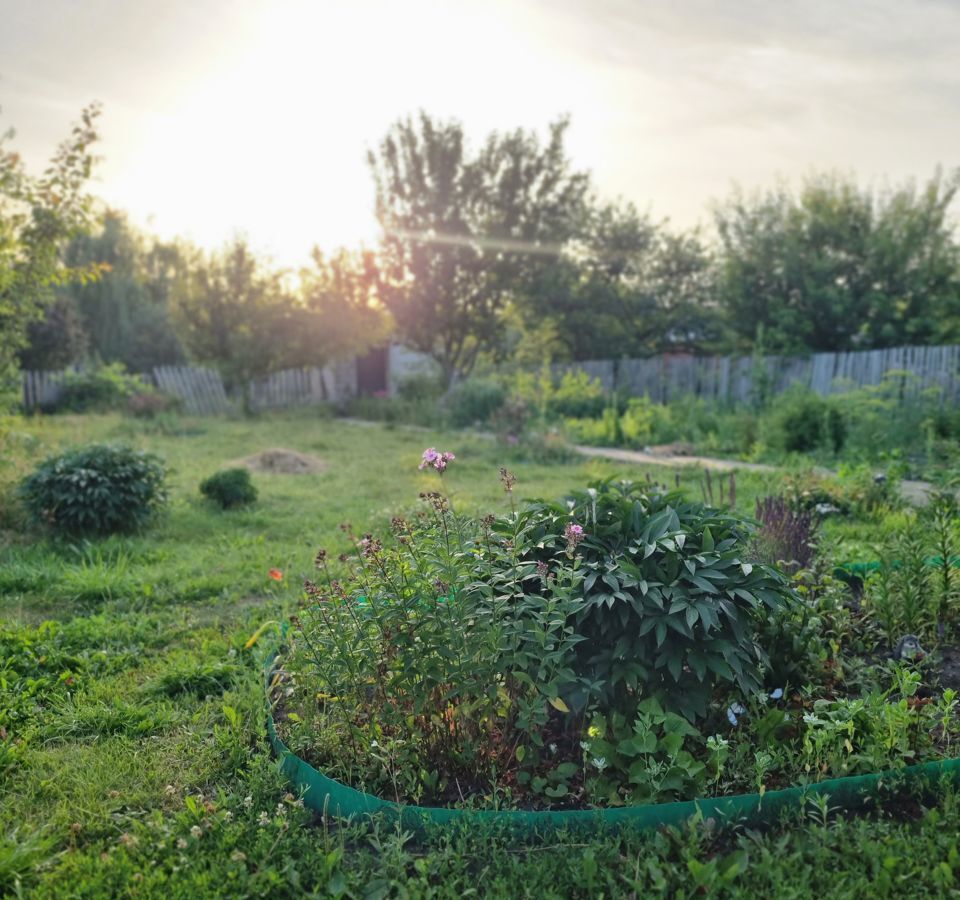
x=276 y=574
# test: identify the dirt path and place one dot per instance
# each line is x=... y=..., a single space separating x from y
x=916 y=493
x=657 y=459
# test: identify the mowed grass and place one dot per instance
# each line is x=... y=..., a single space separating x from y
x=134 y=761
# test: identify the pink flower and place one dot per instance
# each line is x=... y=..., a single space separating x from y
x=433 y=458
x=574 y=535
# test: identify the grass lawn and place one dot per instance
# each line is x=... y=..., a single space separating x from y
x=134 y=760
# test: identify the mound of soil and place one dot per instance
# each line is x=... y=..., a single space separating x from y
x=282 y=462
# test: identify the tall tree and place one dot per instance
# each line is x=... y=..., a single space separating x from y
x=229 y=311
x=337 y=312
x=463 y=231
x=626 y=287
x=38 y=214
x=840 y=267
x=126 y=310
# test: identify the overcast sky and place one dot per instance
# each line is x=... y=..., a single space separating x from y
x=252 y=117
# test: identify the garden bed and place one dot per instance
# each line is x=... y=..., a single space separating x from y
x=329 y=797
x=623 y=654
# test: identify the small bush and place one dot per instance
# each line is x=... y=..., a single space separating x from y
x=804 y=422
x=95 y=490
x=577 y=396
x=475 y=401
x=103 y=389
x=230 y=488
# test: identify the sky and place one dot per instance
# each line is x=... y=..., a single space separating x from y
x=253 y=117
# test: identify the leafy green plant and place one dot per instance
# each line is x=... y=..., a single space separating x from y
x=104 y=388
x=475 y=400
x=576 y=395
x=95 y=490
x=648 y=760
x=804 y=422
x=229 y=488
x=671 y=600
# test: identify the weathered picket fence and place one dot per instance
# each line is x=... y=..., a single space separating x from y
x=202 y=391
x=725 y=379
x=736 y=380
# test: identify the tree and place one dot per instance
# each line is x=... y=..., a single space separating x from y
x=337 y=313
x=463 y=232
x=126 y=310
x=229 y=310
x=840 y=267
x=626 y=287
x=37 y=216
x=57 y=340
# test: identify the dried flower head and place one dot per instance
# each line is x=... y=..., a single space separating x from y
x=508 y=479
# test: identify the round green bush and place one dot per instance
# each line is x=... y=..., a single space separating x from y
x=230 y=488
x=475 y=400
x=95 y=490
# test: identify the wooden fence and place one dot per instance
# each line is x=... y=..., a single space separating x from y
x=725 y=379
x=202 y=391
x=735 y=380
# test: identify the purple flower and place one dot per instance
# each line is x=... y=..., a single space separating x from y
x=573 y=534
x=433 y=458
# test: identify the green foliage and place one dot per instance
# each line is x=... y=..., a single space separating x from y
x=474 y=400
x=577 y=395
x=650 y=754
x=840 y=267
x=671 y=602
x=98 y=390
x=804 y=422
x=458 y=226
x=95 y=490
x=229 y=488
x=625 y=286
x=125 y=312
x=56 y=341
x=37 y=214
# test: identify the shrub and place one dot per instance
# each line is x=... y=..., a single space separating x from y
x=230 y=488
x=804 y=422
x=95 y=490
x=106 y=388
x=577 y=396
x=671 y=603
x=475 y=401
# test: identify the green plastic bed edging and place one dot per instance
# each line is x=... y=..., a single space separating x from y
x=860 y=570
x=330 y=797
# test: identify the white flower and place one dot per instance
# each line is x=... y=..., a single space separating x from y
x=196 y=831
x=238 y=856
x=599 y=762
x=264 y=819
x=247 y=802
x=281 y=810
x=585 y=746
x=228 y=816
x=182 y=843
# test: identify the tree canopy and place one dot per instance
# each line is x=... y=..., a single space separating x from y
x=37 y=215
x=464 y=230
x=838 y=266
